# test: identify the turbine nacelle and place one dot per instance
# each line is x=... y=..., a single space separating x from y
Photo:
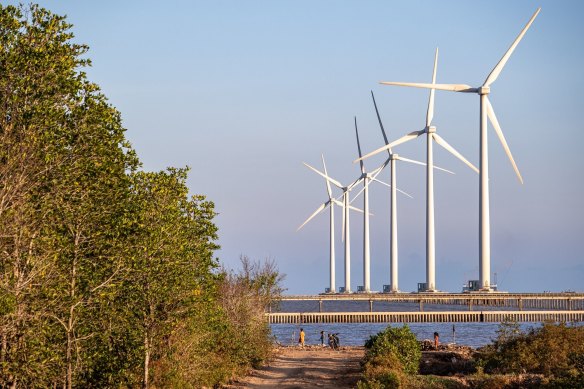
x=483 y=90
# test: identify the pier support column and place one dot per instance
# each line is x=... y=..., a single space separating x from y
x=421 y=305
x=319 y=305
x=569 y=304
x=520 y=304
x=370 y=305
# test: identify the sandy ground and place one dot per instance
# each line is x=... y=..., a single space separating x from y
x=311 y=367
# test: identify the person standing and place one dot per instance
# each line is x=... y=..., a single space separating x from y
x=436 y=340
x=322 y=338
x=301 y=338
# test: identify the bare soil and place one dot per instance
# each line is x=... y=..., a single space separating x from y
x=308 y=367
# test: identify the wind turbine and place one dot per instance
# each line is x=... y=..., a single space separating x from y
x=345 y=204
x=432 y=136
x=330 y=202
x=367 y=177
x=393 y=157
x=486 y=110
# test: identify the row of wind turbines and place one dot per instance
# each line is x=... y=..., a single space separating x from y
x=486 y=111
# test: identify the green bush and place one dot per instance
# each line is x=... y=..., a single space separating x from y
x=399 y=341
x=554 y=350
x=391 y=355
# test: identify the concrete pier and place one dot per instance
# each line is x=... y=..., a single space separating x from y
x=425 y=317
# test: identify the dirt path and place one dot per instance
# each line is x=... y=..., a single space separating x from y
x=313 y=367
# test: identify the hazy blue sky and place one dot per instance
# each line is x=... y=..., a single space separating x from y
x=245 y=91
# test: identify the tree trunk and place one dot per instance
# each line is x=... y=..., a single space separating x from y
x=69 y=363
x=70 y=334
x=4 y=345
x=146 y=360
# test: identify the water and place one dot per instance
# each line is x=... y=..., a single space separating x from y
x=355 y=334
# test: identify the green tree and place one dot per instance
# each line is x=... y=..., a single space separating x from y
x=85 y=213
x=107 y=275
x=172 y=257
x=63 y=165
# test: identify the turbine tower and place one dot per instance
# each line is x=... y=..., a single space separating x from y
x=486 y=110
x=346 y=207
x=432 y=136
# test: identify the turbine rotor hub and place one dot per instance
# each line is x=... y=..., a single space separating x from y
x=431 y=130
x=484 y=90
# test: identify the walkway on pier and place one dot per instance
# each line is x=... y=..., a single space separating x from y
x=520 y=301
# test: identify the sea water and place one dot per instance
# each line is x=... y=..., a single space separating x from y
x=356 y=334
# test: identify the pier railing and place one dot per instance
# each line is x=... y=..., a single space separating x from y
x=520 y=301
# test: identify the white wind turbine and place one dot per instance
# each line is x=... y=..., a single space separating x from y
x=393 y=157
x=345 y=204
x=330 y=202
x=432 y=136
x=367 y=177
x=486 y=110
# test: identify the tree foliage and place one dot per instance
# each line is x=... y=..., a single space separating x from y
x=107 y=274
x=554 y=350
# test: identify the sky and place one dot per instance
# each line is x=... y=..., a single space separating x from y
x=243 y=92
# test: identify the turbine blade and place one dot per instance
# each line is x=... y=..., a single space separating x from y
x=400 y=158
x=381 y=182
x=380 y=168
x=359 y=147
x=333 y=181
x=358 y=194
x=444 y=170
x=430 y=112
x=404 y=193
x=328 y=185
x=354 y=183
x=356 y=209
x=452 y=151
x=380 y=123
x=499 y=67
x=403 y=139
x=495 y=122
x=318 y=210
x=449 y=87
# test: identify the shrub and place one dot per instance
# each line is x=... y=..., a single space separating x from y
x=554 y=350
x=390 y=356
x=399 y=341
